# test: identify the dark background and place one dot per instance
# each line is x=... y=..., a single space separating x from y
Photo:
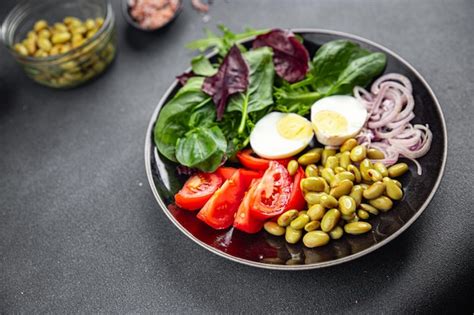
x=80 y=230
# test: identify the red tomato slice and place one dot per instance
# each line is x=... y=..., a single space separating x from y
x=296 y=198
x=272 y=194
x=248 y=176
x=255 y=163
x=197 y=190
x=219 y=211
x=226 y=172
x=243 y=219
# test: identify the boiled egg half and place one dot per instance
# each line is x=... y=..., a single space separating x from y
x=337 y=118
x=280 y=135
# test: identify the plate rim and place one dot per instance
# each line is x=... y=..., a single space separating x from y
x=149 y=146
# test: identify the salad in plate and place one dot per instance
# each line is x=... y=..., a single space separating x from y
x=271 y=138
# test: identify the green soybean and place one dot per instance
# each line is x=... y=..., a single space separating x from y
x=316 y=212
x=347 y=205
x=382 y=203
x=348 y=145
x=300 y=222
x=358 y=153
x=344 y=187
x=285 y=218
x=374 y=191
x=356 y=228
x=328 y=201
x=336 y=233
x=315 y=239
x=330 y=220
x=381 y=168
x=311 y=171
x=292 y=167
x=311 y=226
x=397 y=170
x=273 y=228
x=292 y=235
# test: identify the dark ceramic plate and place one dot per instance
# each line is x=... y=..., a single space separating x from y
x=266 y=251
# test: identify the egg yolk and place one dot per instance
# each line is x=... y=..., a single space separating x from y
x=294 y=127
x=330 y=122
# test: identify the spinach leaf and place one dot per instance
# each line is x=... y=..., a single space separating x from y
x=202 y=66
x=337 y=68
x=225 y=42
x=203 y=148
x=175 y=117
x=259 y=92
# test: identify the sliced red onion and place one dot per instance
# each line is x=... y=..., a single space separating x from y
x=390 y=105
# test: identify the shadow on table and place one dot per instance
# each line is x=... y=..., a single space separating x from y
x=360 y=281
x=7 y=89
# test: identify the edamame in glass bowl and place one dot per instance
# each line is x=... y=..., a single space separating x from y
x=61 y=44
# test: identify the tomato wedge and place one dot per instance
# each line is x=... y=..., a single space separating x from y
x=197 y=190
x=296 y=197
x=255 y=163
x=243 y=219
x=272 y=193
x=226 y=172
x=220 y=209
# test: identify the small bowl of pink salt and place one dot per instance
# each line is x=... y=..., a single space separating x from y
x=151 y=15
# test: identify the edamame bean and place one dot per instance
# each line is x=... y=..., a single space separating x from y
x=311 y=226
x=336 y=233
x=316 y=212
x=80 y=30
x=382 y=203
x=41 y=53
x=392 y=190
x=374 y=191
x=285 y=218
x=328 y=201
x=368 y=208
x=310 y=157
x=44 y=44
x=356 y=194
x=331 y=162
x=44 y=33
x=328 y=174
x=19 y=48
x=358 y=153
x=347 y=205
x=315 y=239
x=89 y=24
x=348 y=217
x=30 y=44
x=339 y=169
x=314 y=197
x=348 y=145
x=60 y=27
x=375 y=154
x=40 y=25
x=364 y=215
x=356 y=228
x=381 y=168
x=344 y=187
x=354 y=170
x=72 y=21
x=330 y=220
x=354 y=219
x=300 y=222
x=317 y=184
x=292 y=235
x=311 y=171
x=273 y=228
x=365 y=166
x=341 y=176
x=397 y=170
x=374 y=175
x=345 y=159
x=60 y=38
x=327 y=153
x=292 y=167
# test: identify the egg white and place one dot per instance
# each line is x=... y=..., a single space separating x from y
x=267 y=142
x=348 y=107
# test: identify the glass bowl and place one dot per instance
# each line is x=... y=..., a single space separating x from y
x=75 y=64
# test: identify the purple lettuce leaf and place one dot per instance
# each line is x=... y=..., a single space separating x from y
x=290 y=57
x=232 y=77
x=184 y=77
